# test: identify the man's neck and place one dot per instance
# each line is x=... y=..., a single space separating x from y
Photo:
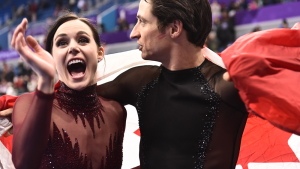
x=183 y=57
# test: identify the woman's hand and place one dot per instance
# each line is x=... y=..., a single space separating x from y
x=39 y=60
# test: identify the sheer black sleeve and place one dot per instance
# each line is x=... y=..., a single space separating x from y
x=125 y=87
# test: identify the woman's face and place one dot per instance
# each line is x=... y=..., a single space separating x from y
x=75 y=54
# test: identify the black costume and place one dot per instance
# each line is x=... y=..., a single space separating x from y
x=188 y=118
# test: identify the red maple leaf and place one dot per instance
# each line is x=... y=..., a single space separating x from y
x=263 y=143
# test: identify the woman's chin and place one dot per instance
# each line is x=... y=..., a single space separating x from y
x=78 y=85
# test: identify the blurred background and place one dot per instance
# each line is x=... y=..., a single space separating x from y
x=114 y=20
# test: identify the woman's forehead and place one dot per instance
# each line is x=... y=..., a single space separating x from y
x=73 y=26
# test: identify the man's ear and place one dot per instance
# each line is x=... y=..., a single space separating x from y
x=176 y=28
x=100 y=54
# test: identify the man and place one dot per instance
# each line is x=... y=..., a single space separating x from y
x=189 y=116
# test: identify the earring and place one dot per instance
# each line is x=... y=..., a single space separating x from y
x=98 y=60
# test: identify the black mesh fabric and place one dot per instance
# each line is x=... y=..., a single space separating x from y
x=188 y=119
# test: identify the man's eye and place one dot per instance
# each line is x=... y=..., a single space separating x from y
x=61 y=43
x=83 y=40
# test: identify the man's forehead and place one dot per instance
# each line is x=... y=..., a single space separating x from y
x=144 y=7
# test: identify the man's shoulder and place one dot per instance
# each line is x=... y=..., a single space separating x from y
x=146 y=68
x=142 y=71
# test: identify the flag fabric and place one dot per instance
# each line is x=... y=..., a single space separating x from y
x=265 y=68
x=6 y=142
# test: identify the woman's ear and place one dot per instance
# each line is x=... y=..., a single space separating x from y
x=100 y=55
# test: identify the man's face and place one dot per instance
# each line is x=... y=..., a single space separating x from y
x=152 y=42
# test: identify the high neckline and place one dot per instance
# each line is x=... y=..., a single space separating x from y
x=84 y=103
x=165 y=70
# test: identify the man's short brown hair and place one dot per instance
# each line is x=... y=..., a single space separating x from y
x=195 y=15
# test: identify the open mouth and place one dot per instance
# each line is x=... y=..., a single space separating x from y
x=76 y=68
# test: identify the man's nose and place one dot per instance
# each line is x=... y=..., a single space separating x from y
x=135 y=34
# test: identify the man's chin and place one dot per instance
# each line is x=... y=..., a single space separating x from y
x=146 y=56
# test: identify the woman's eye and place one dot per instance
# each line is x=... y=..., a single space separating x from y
x=83 y=40
x=61 y=43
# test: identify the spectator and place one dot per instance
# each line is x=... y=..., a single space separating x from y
x=14 y=10
x=72 y=5
x=32 y=10
x=20 y=11
x=284 y=24
x=256 y=29
x=216 y=9
x=3 y=87
x=212 y=41
x=232 y=6
x=20 y=69
x=9 y=76
x=225 y=31
x=20 y=84
x=57 y=10
x=82 y=5
x=4 y=70
x=101 y=28
x=255 y=4
x=122 y=24
x=11 y=89
x=32 y=82
x=243 y=4
x=44 y=5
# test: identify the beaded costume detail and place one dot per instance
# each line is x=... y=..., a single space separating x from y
x=114 y=154
x=60 y=154
x=213 y=108
x=139 y=106
x=84 y=104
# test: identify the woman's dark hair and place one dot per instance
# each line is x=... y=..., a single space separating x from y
x=195 y=15
x=63 y=19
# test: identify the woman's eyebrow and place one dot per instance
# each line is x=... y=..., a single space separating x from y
x=82 y=32
x=60 y=35
x=78 y=33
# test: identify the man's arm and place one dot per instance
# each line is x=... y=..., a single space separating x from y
x=125 y=87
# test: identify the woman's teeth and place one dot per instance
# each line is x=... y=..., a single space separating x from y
x=75 y=61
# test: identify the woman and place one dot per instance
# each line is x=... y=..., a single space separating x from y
x=47 y=132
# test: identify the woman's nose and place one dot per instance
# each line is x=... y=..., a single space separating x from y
x=73 y=50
